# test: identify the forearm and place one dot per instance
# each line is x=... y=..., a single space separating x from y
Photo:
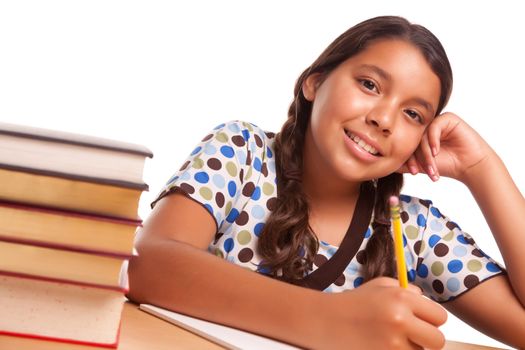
x=185 y=279
x=503 y=207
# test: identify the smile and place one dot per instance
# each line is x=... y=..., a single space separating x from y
x=365 y=146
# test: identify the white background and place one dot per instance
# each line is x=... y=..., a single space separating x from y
x=162 y=73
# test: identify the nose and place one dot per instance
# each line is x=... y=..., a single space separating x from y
x=382 y=118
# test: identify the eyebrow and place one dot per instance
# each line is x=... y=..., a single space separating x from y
x=386 y=76
x=382 y=73
x=425 y=105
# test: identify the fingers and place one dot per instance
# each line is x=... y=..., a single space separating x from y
x=408 y=320
x=423 y=308
x=392 y=282
x=437 y=132
x=414 y=289
x=434 y=137
x=422 y=322
x=412 y=165
x=442 y=144
x=429 y=311
x=382 y=282
x=422 y=161
x=423 y=330
x=425 y=335
x=424 y=156
x=415 y=346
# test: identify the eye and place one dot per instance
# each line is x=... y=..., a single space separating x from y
x=369 y=85
x=415 y=115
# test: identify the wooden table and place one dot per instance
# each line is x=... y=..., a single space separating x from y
x=142 y=331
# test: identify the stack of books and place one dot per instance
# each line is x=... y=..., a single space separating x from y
x=68 y=215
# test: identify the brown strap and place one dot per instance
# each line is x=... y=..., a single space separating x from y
x=332 y=269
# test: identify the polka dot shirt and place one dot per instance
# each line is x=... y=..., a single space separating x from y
x=231 y=173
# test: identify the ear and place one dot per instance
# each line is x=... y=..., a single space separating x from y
x=310 y=85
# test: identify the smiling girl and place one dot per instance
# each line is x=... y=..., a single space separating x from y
x=255 y=225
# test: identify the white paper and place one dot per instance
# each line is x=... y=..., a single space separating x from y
x=228 y=337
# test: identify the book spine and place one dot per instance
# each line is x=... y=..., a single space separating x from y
x=66 y=212
x=73 y=139
x=112 y=345
x=65 y=247
x=141 y=186
x=120 y=289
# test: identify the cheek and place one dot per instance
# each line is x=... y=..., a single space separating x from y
x=338 y=101
x=408 y=146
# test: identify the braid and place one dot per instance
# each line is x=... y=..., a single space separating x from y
x=287 y=242
x=379 y=251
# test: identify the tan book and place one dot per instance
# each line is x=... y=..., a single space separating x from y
x=58 y=313
x=12 y=342
x=59 y=228
x=70 y=153
x=96 y=196
x=47 y=263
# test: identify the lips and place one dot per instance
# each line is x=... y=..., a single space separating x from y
x=363 y=144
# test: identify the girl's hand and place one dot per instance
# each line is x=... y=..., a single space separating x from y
x=381 y=315
x=449 y=147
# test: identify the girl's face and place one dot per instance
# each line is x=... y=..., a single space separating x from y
x=370 y=113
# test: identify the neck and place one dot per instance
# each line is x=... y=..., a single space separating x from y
x=320 y=186
x=319 y=181
x=331 y=203
x=317 y=189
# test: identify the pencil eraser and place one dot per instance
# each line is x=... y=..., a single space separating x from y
x=394 y=200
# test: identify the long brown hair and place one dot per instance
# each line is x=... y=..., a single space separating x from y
x=287 y=243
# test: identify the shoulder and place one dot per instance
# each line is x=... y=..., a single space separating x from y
x=421 y=217
x=410 y=201
x=424 y=210
x=445 y=261
x=240 y=132
x=232 y=164
x=414 y=209
x=420 y=208
x=245 y=142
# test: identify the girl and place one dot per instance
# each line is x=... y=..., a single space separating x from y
x=308 y=210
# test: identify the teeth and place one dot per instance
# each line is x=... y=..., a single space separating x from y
x=362 y=144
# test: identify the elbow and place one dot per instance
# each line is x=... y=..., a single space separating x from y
x=143 y=272
x=149 y=271
x=136 y=291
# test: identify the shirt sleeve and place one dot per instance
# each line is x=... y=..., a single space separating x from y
x=214 y=172
x=449 y=262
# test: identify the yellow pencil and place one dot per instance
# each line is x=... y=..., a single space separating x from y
x=398 y=242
